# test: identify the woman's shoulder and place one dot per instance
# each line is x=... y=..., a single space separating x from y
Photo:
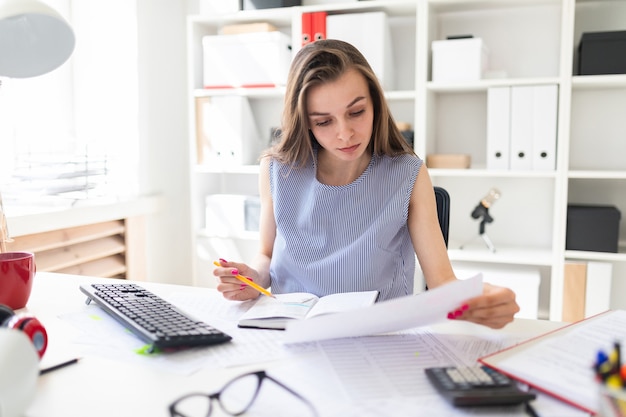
x=404 y=159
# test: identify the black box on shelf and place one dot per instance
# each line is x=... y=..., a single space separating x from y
x=592 y=228
x=268 y=4
x=602 y=53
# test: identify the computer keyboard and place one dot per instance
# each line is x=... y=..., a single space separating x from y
x=151 y=318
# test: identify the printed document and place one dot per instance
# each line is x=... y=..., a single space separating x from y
x=402 y=313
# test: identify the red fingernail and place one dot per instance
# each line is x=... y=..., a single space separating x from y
x=222 y=260
x=458 y=313
x=451 y=316
x=243 y=287
x=235 y=271
x=464 y=307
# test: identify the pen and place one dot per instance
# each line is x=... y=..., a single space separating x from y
x=250 y=283
x=58 y=366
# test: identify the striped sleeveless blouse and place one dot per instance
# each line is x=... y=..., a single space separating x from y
x=354 y=237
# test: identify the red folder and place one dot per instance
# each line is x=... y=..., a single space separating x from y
x=566 y=372
x=307 y=26
x=318 y=24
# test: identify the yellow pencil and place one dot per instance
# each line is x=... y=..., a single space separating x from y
x=250 y=283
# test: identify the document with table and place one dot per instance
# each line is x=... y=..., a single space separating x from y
x=376 y=374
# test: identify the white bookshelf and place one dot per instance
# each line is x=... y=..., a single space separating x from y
x=533 y=42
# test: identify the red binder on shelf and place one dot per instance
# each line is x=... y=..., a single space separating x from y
x=307 y=26
x=559 y=363
x=318 y=25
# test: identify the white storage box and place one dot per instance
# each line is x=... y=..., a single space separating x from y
x=524 y=281
x=229 y=215
x=459 y=60
x=258 y=59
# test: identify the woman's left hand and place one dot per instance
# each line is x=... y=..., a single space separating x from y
x=494 y=308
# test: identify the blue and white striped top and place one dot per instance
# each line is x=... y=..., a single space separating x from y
x=353 y=237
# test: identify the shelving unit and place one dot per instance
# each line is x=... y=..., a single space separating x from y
x=532 y=42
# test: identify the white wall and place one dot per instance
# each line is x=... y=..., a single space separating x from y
x=163 y=136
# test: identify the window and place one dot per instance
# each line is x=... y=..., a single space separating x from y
x=72 y=134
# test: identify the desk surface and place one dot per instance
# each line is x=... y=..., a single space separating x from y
x=104 y=386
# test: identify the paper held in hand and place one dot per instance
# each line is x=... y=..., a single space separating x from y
x=403 y=313
x=274 y=313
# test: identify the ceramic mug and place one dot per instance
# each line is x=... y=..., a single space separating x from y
x=17 y=271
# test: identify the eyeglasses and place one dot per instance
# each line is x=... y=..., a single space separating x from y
x=235 y=398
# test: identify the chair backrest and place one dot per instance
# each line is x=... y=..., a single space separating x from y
x=443 y=211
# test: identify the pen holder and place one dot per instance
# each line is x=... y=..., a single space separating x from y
x=612 y=402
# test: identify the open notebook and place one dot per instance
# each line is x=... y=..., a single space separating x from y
x=274 y=313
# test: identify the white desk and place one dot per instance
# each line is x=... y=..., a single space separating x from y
x=100 y=386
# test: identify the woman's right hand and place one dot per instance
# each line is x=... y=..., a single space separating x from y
x=231 y=287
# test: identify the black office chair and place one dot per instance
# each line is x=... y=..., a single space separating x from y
x=443 y=211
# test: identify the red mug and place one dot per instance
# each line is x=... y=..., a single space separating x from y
x=17 y=271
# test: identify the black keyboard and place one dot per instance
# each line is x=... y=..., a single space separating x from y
x=151 y=318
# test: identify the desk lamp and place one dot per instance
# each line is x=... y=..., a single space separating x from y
x=34 y=40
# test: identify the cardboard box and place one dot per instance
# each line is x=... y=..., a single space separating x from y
x=602 y=53
x=259 y=59
x=460 y=161
x=592 y=228
x=238 y=28
x=456 y=60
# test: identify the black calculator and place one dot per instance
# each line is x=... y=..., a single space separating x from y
x=476 y=386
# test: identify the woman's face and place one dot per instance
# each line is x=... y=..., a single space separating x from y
x=341 y=116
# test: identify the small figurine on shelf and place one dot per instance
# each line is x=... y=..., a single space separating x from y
x=481 y=211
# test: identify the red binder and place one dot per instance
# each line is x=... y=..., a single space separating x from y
x=318 y=25
x=307 y=26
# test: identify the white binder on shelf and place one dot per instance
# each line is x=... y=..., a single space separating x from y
x=231 y=132
x=498 y=127
x=369 y=33
x=521 y=128
x=545 y=106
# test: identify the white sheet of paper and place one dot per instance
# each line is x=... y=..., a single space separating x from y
x=402 y=313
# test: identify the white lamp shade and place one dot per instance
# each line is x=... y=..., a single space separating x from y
x=34 y=39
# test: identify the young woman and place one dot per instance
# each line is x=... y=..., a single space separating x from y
x=345 y=202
